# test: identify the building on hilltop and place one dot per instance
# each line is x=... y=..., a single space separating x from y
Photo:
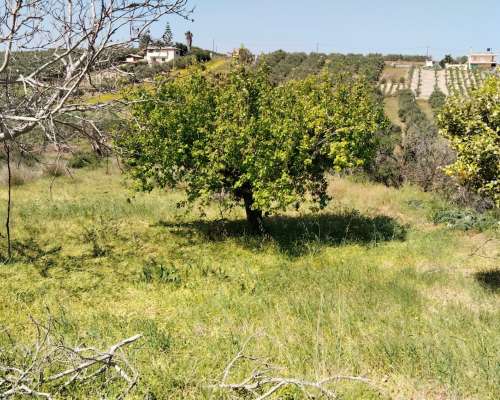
x=161 y=55
x=482 y=60
x=154 y=55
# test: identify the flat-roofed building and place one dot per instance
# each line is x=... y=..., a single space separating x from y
x=161 y=55
x=483 y=60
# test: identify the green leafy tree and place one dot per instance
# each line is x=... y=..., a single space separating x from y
x=437 y=99
x=448 y=59
x=473 y=127
x=243 y=55
x=266 y=146
x=168 y=36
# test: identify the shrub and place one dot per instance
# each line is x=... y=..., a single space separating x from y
x=437 y=99
x=83 y=159
x=465 y=219
x=425 y=153
x=55 y=170
x=472 y=125
x=386 y=166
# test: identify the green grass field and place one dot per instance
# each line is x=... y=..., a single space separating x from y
x=367 y=287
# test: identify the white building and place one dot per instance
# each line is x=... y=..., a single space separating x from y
x=133 y=58
x=161 y=55
x=483 y=60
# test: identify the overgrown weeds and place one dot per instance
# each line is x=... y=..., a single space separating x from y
x=466 y=219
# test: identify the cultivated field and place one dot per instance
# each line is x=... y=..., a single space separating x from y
x=423 y=81
x=368 y=287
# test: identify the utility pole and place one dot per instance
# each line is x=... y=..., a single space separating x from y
x=317 y=47
x=213 y=45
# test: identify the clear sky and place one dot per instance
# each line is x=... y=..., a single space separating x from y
x=358 y=26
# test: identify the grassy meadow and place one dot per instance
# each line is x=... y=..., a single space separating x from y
x=366 y=287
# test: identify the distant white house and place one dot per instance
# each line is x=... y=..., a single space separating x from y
x=161 y=55
x=134 y=58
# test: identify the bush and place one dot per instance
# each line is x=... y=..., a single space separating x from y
x=472 y=125
x=465 y=219
x=19 y=175
x=437 y=100
x=83 y=159
x=386 y=167
x=425 y=153
x=55 y=170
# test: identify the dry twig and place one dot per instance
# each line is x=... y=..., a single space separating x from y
x=75 y=365
x=262 y=383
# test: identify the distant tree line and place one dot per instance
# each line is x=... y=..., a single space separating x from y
x=286 y=66
x=403 y=57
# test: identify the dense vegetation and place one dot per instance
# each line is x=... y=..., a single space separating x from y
x=437 y=100
x=285 y=66
x=244 y=138
x=473 y=127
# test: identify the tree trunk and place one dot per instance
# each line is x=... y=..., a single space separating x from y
x=9 y=201
x=254 y=216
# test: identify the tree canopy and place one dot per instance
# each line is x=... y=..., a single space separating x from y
x=473 y=127
x=245 y=139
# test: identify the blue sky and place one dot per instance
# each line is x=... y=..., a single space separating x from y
x=359 y=26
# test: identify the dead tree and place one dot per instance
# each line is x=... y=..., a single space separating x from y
x=48 y=48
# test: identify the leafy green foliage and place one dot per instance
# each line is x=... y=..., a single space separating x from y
x=83 y=159
x=473 y=127
x=465 y=219
x=437 y=99
x=243 y=138
x=285 y=66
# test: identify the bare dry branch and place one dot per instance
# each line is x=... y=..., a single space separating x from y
x=77 y=365
x=262 y=383
x=49 y=47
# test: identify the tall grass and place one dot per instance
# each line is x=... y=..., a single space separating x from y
x=369 y=287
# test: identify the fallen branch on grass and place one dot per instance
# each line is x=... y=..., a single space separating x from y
x=77 y=365
x=262 y=383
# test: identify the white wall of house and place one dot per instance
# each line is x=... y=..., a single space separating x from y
x=161 y=55
x=487 y=59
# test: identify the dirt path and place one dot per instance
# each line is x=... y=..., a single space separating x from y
x=442 y=82
x=428 y=80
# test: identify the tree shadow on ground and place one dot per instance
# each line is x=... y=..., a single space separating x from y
x=296 y=236
x=489 y=280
